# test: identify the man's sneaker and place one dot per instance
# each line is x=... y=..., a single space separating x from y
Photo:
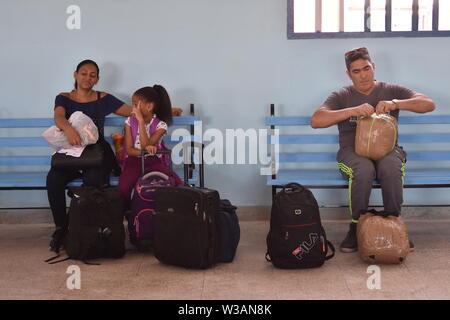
x=58 y=238
x=350 y=243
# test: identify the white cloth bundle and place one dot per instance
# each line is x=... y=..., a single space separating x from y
x=85 y=127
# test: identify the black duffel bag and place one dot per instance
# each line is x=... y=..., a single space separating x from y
x=96 y=227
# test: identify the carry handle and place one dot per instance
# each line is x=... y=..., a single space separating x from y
x=155 y=174
x=188 y=155
x=159 y=151
x=296 y=187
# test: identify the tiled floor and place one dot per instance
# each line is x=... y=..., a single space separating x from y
x=424 y=275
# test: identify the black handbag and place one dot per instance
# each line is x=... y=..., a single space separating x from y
x=93 y=155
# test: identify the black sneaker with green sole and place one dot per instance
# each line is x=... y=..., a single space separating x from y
x=350 y=243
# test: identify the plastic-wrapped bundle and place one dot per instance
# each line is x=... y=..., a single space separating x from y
x=376 y=136
x=82 y=123
x=382 y=238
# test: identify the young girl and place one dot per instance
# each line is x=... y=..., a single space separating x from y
x=151 y=114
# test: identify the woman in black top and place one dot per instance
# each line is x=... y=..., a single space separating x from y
x=83 y=99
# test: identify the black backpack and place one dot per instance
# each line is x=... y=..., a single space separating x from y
x=96 y=227
x=296 y=238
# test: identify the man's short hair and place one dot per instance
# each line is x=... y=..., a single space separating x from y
x=355 y=54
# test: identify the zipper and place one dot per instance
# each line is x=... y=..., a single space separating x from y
x=138 y=191
x=286 y=234
x=298 y=225
x=136 y=219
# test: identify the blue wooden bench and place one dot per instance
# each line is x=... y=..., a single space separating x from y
x=420 y=175
x=25 y=160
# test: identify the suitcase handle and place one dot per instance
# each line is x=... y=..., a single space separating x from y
x=188 y=154
x=159 y=151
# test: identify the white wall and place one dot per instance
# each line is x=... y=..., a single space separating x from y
x=231 y=58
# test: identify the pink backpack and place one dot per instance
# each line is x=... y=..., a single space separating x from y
x=134 y=125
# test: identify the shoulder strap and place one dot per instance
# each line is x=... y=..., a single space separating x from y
x=53 y=258
x=166 y=158
x=328 y=245
x=134 y=125
x=98 y=117
x=153 y=125
x=333 y=250
x=58 y=261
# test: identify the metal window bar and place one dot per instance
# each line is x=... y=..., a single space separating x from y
x=435 y=15
x=415 y=15
x=367 y=32
x=341 y=15
x=388 y=17
x=367 y=16
x=318 y=15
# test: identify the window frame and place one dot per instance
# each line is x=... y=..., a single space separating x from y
x=415 y=33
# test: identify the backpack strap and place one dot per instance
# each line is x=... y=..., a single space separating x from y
x=54 y=262
x=333 y=250
x=328 y=245
x=53 y=258
x=154 y=125
x=134 y=125
x=68 y=258
x=164 y=157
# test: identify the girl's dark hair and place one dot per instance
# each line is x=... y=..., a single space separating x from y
x=158 y=95
x=82 y=63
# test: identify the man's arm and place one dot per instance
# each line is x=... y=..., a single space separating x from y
x=418 y=103
x=324 y=117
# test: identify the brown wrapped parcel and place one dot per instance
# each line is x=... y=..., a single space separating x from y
x=376 y=136
x=382 y=239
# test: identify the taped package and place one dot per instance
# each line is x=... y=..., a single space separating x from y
x=376 y=136
x=382 y=239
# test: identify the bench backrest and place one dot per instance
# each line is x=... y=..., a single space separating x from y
x=315 y=137
x=34 y=140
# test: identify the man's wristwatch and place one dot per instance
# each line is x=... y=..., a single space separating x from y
x=395 y=101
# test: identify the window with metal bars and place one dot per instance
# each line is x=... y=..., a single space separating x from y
x=309 y=19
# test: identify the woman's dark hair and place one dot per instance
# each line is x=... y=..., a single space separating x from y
x=82 y=63
x=158 y=95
